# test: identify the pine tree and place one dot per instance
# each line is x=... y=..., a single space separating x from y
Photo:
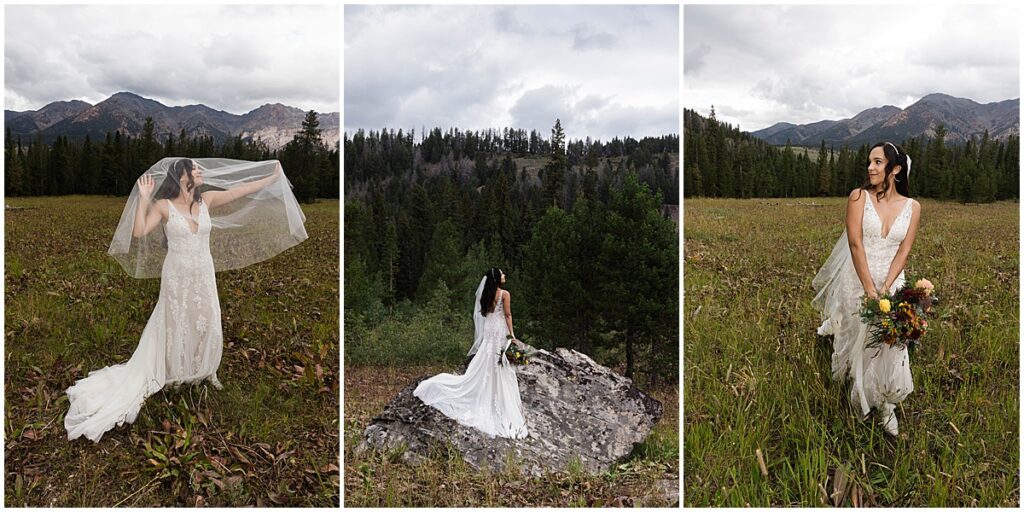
x=637 y=264
x=150 y=146
x=553 y=178
x=551 y=262
x=939 y=179
x=824 y=172
x=304 y=157
x=442 y=261
x=13 y=171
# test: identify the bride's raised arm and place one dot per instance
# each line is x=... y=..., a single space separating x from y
x=147 y=214
x=215 y=198
x=855 y=236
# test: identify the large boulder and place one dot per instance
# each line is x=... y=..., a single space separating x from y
x=575 y=409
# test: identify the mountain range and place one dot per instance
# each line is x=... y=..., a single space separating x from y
x=962 y=118
x=274 y=123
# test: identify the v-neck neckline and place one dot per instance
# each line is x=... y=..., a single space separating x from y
x=881 y=221
x=188 y=220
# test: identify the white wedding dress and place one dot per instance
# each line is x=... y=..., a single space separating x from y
x=486 y=397
x=181 y=343
x=880 y=375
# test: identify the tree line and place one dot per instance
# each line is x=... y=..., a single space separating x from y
x=721 y=161
x=582 y=237
x=111 y=166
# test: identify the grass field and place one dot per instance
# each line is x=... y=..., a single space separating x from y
x=757 y=376
x=647 y=478
x=269 y=438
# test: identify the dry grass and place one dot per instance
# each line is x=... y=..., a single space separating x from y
x=269 y=438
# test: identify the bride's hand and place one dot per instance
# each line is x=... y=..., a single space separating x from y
x=146 y=186
x=872 y=294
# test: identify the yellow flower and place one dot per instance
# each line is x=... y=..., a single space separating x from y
x=884 y=306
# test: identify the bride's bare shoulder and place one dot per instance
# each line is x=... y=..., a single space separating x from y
x=857 y=195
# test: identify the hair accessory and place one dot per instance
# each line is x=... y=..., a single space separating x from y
x=894 y=148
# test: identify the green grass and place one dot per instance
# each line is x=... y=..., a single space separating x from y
x=648 y=477
x=757 y=377
x=269 y=438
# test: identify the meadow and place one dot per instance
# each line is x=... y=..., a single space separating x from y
x=270 y=438
x=413 y=341
x=764 y=423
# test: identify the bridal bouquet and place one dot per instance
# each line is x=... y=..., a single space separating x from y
x=513 y=353
x=902 y=318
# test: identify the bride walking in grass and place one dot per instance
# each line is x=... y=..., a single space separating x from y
x=867 y=261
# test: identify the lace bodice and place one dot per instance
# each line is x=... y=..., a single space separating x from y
x=187 y=251
x=879 y=249
x=179 y=228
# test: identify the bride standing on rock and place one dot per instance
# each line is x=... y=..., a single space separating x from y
x=868 y=259
x=486 y=397
x=206 y=215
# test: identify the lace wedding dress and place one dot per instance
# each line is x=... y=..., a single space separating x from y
x=881 y=375
x=486 y=397
x=181 y=343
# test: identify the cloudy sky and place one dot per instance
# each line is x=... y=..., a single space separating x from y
x=759 y=64
x=232 y=58
x=603 y=70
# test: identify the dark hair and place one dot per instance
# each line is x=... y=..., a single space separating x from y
x=894 y=155
x=487 y=301
x=170 y=188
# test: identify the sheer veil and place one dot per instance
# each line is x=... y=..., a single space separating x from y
x=247 y=230
x=478 y=318
x=829 y=285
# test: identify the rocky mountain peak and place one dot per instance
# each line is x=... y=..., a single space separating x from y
x=963 y=118
x=274 y=123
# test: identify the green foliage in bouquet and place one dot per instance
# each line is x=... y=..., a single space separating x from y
x=901 y=318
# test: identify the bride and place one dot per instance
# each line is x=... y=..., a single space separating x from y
x=486 y=397
x=868 y=260
x=255 y=215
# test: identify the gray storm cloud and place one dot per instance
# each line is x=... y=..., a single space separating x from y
x=476 y=67
x=232 y=58
x=761 y=64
